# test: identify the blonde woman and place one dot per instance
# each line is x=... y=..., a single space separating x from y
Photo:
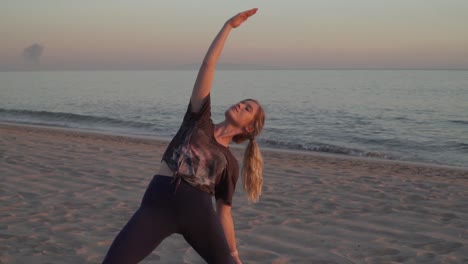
x=197 y=165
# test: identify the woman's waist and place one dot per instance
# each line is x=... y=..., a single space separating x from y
x=203 y=185
x=164 y=170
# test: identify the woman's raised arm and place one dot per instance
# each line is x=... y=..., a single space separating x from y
x=205 y=76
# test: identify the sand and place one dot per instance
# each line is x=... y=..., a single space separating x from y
x=64 y=196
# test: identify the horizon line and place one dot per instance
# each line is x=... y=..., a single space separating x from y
x=279 y=69
x=220 y=67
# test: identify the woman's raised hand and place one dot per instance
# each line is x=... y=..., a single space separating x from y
x=240 y=18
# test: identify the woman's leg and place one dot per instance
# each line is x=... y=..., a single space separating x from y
x=201 y=226
x=140 y=236
x=150 y=224
x=209 y=241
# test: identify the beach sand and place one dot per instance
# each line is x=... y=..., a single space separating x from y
x=64 y=196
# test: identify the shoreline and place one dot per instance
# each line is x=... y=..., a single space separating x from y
x=159 y=140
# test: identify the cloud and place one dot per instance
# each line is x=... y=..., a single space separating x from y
x=33 y=53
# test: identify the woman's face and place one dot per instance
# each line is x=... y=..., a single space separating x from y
x=242 y=114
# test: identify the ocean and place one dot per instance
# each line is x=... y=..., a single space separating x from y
x=407 y=115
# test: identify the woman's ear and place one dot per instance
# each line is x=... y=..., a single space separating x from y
x=249 y=129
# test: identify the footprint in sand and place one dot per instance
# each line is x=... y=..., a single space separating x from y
x=386 y=252
x=440 y=247
x=447 y=217
x=413 y=198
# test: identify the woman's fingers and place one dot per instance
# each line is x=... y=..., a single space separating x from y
x=241 y=17
x=251 y=11
x=248 y=13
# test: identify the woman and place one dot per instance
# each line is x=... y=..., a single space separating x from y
x=196 y=165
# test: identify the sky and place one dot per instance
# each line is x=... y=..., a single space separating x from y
x=294 y=34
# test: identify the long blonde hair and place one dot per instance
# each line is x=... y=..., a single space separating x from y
x=252 y=167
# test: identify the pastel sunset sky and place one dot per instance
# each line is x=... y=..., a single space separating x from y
x=311 y=34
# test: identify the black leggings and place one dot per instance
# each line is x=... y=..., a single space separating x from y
x=169 y=208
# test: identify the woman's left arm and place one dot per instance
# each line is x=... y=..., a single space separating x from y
x=202 y=86
x=224 y=213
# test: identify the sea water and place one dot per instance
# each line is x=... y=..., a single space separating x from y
x=408 y=115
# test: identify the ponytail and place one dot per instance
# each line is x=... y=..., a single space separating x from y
x=252 y=171
x=252 y=168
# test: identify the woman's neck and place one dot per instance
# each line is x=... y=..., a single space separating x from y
x=224 y=132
